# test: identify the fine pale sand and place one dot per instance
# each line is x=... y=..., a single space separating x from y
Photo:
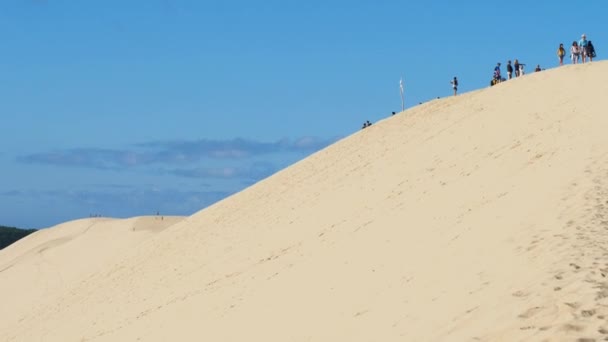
x=40 y=268
x=481 y=217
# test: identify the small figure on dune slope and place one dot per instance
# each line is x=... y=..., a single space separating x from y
x=561 y=52
x=575 y=53
x=454 y=83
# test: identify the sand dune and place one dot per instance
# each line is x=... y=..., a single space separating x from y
x=482 y=217
x=47 y=264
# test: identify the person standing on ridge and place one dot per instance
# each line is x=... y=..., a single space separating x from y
x=497 y=76
x=582 y=46
x=574 y=53
x=516 y=66
x=591 y=51
x=561 y=52
x=454 y=83
x=509 y=69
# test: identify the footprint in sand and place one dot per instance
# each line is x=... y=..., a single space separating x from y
x=572 y=327
x=576 y=267
x=519 y=294
x=530 y=312
x=588 y=313
x=573 y=305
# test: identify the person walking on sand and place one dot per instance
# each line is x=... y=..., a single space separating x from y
x=509 y=69
x=454 y=83
x=574 y=53
x=582 y=46
x=561 y=52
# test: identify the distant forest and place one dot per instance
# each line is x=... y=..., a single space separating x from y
x=8 y=235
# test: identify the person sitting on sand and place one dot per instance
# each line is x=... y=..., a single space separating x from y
x=537 y=68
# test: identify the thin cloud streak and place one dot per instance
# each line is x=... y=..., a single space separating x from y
x=127 y=203
x=255 y=172
x=172 y=152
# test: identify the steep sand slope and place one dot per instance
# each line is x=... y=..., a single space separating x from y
x=480 y=217
x=45 y=265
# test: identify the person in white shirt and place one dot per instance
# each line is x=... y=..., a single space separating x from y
x=575 y=52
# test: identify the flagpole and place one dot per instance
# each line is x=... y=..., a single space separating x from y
x=401 y=91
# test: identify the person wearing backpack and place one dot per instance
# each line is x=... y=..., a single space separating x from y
x=561 y=52
x=575 y=52
x=497 y=76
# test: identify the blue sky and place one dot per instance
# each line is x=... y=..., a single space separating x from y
x=126 y=108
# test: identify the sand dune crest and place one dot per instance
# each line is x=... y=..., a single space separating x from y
x=481 y=217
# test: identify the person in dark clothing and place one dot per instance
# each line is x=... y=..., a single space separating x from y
x=454 y=85
x=590 y=50
x=497 y=72
x=509 y=69
x=561 y=52
x=516 y=66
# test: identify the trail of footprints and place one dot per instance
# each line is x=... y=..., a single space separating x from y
x=578 y=309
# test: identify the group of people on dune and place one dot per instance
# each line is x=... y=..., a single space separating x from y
x=582 y=50
x=579 y=51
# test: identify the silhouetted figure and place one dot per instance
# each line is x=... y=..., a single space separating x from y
x=454 y=83
x=590 y=51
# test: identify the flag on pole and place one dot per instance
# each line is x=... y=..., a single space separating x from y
x=401 y=91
